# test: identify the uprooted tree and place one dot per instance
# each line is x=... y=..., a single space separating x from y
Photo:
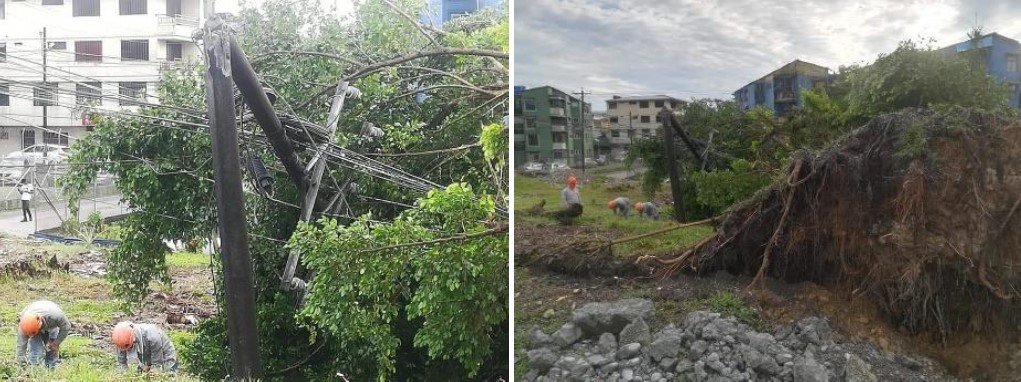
x=432 y=103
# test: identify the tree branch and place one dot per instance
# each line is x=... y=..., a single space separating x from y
x=502 y=228
x=413 y=22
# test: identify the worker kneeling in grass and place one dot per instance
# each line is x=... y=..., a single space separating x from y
x=42 y=327
x=147 y=343
x=620 y=206
x=647 y=209
x=572 y=203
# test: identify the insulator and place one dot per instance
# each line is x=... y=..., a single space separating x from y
x=261 y=175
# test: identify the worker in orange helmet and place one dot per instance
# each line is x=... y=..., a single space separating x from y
x=572 y=203
x=647 y=209
x=621 y=206
x=42 y=327
x=147 y=344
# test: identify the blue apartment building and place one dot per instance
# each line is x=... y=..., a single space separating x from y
x=441 y=11
x=1001 y=55
x=780 y=90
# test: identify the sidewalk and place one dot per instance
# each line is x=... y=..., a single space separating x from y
x=46 y=218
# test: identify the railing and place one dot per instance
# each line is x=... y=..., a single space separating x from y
x=560 y=145
x=171 y=20
x=557 y=112
x=558 y=128
x=168 y=65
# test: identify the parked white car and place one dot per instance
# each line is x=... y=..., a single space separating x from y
x=532 y=168
x=14 y=164
x=558 y=166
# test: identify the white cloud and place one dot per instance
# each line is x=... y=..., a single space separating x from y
x=695 y=48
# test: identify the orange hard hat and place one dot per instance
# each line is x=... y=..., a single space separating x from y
x=123 y=335
x=639 y=206
x=572 y=181
x=31 y=324
x=612 y=204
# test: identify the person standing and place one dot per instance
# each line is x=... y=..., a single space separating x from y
x=147 y=343
x=42 y=327
x=26 y=190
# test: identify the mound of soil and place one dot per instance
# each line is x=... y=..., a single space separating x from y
x=916 y=211
x=577 y=250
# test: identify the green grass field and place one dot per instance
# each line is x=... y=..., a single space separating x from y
x=87 y=302
x=528 y=191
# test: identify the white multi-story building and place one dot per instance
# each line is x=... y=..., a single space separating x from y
x=633 y=117
x=102 y=53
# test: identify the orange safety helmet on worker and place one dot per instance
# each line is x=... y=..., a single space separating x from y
x=123 y=335
x=639 y=206
x=572 y=182
x=612 y=204
x=147 y=343
x=31 y=324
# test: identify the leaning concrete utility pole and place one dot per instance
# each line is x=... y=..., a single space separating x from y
x=238 y=282
x=582 y=108
x=666 y=115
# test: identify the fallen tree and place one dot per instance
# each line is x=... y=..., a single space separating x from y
x=916 y=210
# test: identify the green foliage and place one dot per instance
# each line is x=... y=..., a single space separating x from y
x=718 y=190
x=456 y=289
x=728 y=304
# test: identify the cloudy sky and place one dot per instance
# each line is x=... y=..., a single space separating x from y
x=700 y=48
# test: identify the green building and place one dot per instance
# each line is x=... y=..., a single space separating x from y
x=549 y=126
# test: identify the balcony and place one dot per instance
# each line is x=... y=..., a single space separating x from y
x=557 y=112
x=176 y=26
x=558 y=128
x=560 y=145
x=170 y=65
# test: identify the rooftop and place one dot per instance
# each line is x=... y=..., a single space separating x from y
x=643 y=98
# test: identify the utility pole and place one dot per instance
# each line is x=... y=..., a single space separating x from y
x=46 y=87
x=582 y=108
x=630 y=127
x=239 y=286
x=671 y=165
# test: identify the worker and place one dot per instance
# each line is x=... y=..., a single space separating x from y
x=621 y=206
x=42 y=327
x=572 y=203
x=26 y=190
x=146 y=343
x=647 y=209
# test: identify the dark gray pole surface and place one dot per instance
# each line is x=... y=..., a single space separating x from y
x=238 y=282
x=671 y=162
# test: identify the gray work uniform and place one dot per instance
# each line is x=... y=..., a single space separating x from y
x=570 y=196
x=649 y=209
x=55 y=327
x=152 y=347
x=623 y=207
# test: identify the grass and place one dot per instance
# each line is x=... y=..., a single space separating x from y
x=529 y=191
x=187 y=260
x=86 y=301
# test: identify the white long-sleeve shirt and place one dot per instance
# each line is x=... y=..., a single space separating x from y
x=151 y=347
x=570 y=196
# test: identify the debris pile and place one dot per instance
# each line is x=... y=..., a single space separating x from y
x=612 y=342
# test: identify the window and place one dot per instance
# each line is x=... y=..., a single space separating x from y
x=3 y=10
x=529 y=104
x=89 y=93
x=558 y=154
x=133 y=7
x=55 y=138
x=611 y=105
x=658 y=118
x=1012 y=63
x=53 y=2
x=4 y=134
x=5 y=95
x=659 y=104
x=559 y=138
x=44 y=94
x=174 y=51
x=646 y=132
x=533 y=139
x=134 y=50
x=88 y=51
x=3 y=50
x=129 y=90
x=84 y=8
x=613 y=119
x=58 y=45
x=173 y=7
x=643 y=104
x=645 y=119
x=27 y=138
x=615 y=133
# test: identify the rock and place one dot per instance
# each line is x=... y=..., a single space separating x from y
x=757 y=361
x=784 y=358
x=541 y=359
x=610 y=317
x=713 y=362
x=537 y=338
x=629 y=350
x=697 y=349
x=637 y=331
x=607 y=343
x=611 y=367
x=806 y=369
x=567 y=335
x=573 y=367
x=668 y=363
x=627 y=374
x=531 y=375
x=814 y=330
x=856 y=370
x=549 y=313
x=657 y=376
x=597 y=360
x=909 y=362
x=667 y=344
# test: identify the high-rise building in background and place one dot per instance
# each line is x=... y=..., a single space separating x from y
x=441 y=11
x=104 y=54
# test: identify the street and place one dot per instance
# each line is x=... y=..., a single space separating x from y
x=46 y=218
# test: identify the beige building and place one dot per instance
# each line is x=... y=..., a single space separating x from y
x=629 y=118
